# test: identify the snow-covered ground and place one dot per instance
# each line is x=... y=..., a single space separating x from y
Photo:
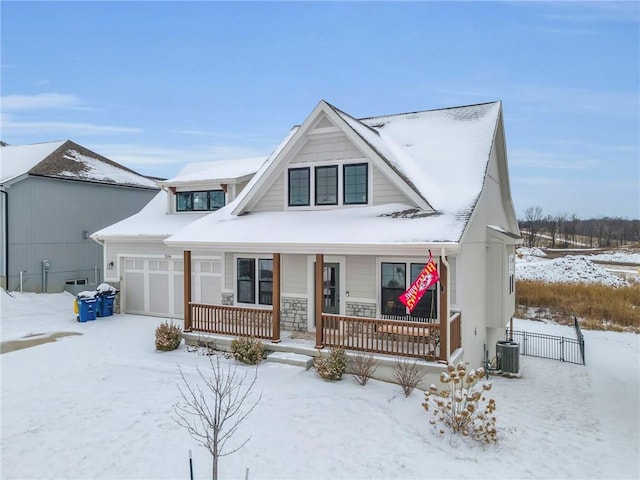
x=99 y=405
x=532 y=264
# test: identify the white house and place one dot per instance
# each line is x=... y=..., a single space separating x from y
x=365 y=200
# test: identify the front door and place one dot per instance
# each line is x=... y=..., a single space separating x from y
x=331 y=288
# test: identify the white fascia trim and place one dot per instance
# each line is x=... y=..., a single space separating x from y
x=395 y=249
x=132 y=238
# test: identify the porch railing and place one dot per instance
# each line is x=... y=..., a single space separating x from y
x=237 y=321
x=407 y=339
x=455 y=329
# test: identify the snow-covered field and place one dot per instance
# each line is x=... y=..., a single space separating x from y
x=99 y=405
x=532 y=264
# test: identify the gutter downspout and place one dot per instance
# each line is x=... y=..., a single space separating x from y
x=6 y=237
x=443 y=259
x=104 y=260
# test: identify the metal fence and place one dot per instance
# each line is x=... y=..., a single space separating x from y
x=552 y=347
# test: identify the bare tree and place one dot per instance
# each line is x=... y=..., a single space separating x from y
x=533 y=217
x=213 y=416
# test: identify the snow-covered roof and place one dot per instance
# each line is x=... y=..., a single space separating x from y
x=441 y=155
x=220 y=170
x=16 y=160
x=67 y=160
x=303 y=230
x=152 y=221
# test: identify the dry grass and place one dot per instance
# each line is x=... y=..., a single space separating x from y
x=597 y=306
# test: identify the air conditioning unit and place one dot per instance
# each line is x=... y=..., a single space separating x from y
x=507 y=354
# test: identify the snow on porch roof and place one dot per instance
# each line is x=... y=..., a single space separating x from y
x=376 y=225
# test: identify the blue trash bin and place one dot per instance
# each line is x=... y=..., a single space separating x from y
x=105 y=305
x=87 y=309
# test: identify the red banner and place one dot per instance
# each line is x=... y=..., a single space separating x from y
x=428 y=276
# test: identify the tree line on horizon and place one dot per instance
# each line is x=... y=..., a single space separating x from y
x=567 y=230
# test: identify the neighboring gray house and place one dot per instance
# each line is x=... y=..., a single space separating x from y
x=52 y=197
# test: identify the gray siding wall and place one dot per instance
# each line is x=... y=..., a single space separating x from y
x=273 y=199
x=361 y=274
x=337 y=147
x=384 y=191
x=47 y=220
x=294 y=274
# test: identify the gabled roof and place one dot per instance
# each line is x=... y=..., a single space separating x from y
x=222 y=171
x=66 y=160
x=420 y=152
x=438 y=158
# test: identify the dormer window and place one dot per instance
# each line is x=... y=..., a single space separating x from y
x=298 y=187
x=346 y=184
x=327 y=185
x=355 y=184
x=200 y=201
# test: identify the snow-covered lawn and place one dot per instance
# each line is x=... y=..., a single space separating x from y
x=99 y=405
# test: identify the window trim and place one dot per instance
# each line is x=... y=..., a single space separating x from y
x=336 y=193
x=344 y=183
x=407 y=262
x=191 y=193
x=256 y=282
x=289 y=172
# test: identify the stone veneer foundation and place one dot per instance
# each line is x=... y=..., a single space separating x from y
x=293 y=314
x=356 y=309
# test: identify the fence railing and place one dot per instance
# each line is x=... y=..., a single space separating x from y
x=407 y=339
x=553 y=347
x=240 y=321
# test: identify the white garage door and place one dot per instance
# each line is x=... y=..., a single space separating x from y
x=156 y=286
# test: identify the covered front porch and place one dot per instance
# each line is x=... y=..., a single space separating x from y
x=431 y=339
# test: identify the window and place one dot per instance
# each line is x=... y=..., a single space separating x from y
x=355 y=184
x=512 y=274
x=185 y=202
x=327 y=185
x=246 y=280
x=216 y=199
x=265 y=282
x=246 y=285
x=199 y=201
x=298 y=187
x=78 y=281
x=393 y=285
x=427 y=307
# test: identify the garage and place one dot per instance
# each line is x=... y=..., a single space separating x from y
x=155 y=285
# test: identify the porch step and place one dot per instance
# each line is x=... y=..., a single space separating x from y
x=289 y=358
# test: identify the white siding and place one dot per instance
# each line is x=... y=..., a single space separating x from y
x=294 y=274
x=384 y=191
x=228 y=271
x=361 y=277
x=273 y=199
x=337 y=147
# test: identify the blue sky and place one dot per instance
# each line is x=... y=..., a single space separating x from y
x=154 y=85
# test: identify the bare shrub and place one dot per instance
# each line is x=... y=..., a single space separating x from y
x=461 y=405
x=363 y=366
x=213 y=414
x=168 y=336
x=407 y=375
x=331 y=366
x=247 y=350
